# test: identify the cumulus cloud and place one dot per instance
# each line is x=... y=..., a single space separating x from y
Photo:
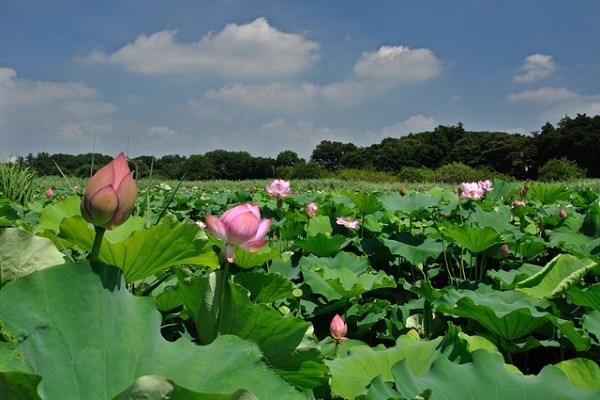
x=398 y=64
x=252 y=50
x=544 y=95
x=272 y=96
x=535 y=67
x=23 y=92
x=162 y=132
x=413 y=124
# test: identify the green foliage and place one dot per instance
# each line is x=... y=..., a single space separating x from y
x=560 y=169
x=459 y=172
x=17 y=182
x=416 y=174
x=365 y=175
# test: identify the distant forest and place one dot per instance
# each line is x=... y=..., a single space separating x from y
x=514 y=155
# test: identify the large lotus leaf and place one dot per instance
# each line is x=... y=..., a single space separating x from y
x=498 y=219
x=319 y=224
x=53 y=214
x=510 y=315
x=356 y=263
x=23 y=253
x=288 y=343
x=549 y=194
x=474 y=240
x=344 y=281
x=365 y=202
x=144 y=253
x=323 y=245
x=265 y=288
x=557 y=276
x=86 y=335
x=410 y=205
x=486 y=377
x=581 y=372
x=249 y=259
x=17 y=385
x=591 y=323
x=415 y=249
x=588 y=297
x=152 y=387
x=573 y=242
x=351 y=375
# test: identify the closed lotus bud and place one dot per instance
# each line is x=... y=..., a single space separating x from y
x=504 y=249
x=110 y=195
x=338 y=329
x=562 y=213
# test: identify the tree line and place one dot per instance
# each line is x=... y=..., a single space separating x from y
x=515 y=155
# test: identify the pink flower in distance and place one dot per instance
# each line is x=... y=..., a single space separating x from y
x=49 y=193
x=348 y=222
x=471 y=190
x=311 y=209
x=239 y=226
x=110 y=195
x=338 y=329
x=485 y=185
x=517 y=203
x=278 y=188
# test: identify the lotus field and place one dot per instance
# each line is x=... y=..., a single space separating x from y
x=116 y=291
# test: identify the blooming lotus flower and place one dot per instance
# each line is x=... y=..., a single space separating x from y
x=278 y=188
x=348 y=222
x=485 y=185
x=49 y=193
x=338 y=329
x=517 y=203
x=110 y=195
x=311 y=209
x=472 y=190
x=239 y=226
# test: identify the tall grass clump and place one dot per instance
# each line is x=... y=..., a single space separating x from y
x=17 y=182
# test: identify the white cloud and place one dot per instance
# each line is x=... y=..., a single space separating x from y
x=398 y=64
x=543 y=95
x=89 y=108
x=252 y=50
x=291 y=97
x=535 y=67
x=413 y=124
x=23 y=92
x=162 y=132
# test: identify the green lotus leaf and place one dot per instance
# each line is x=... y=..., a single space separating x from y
x=85 y=334
x=144 y=253
x=486 y=377
x=557 y=276
x=23 y=253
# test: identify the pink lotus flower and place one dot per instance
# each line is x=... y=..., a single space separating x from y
x=239 y=226
x=110 y=195
x=278 y=188
x=49 y=193
x=517 y=203
x=338 y=329
x=311 y=209
x=348 y=222
x=475 y=190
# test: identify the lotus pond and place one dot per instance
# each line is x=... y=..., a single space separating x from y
x=437 y=296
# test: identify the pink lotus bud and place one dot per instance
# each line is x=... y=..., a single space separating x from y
x=311 y=209
x=563 y=213
x=348 y=222
x=110 y=195
x=49 y=193
x=278 y=188
x=402 y=191
x=239 y=226
x=338 y=329
x=504 y=249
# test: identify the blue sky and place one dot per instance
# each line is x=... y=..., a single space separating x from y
x=187 y=77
